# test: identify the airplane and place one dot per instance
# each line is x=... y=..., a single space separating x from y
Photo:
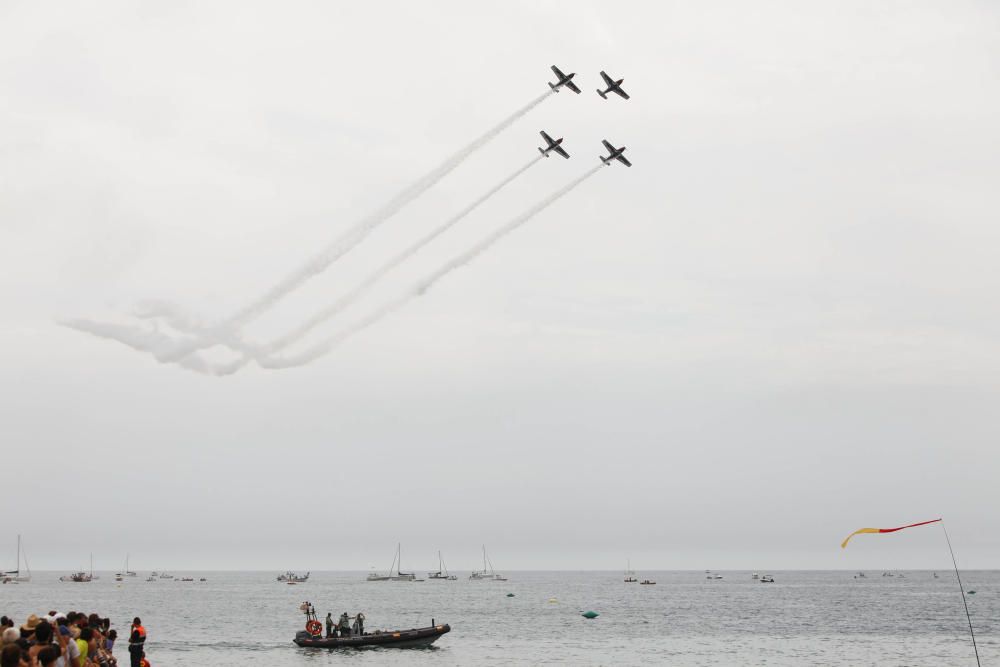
x=564 y=80
x=612 y=86
x=553 y=146
x=615 y=154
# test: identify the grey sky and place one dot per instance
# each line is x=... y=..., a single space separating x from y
x=780 y=325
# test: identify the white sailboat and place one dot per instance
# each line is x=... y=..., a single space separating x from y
x=487 y=573
x=442 y=571
x=395 y=571
x=629 y=573
x=15 y=576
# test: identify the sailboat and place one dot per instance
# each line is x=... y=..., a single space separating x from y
x=15 y=576
x=395 y=571
x=629 y=573
x=487 y=573
x=442 y=571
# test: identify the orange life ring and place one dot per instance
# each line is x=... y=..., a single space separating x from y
x=314 y=628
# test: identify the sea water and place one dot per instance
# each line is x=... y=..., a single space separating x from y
x=804 y=618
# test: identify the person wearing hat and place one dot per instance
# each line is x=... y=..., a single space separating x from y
x=29 y=626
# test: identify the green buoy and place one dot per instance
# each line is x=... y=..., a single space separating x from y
x=510 y=595
x=971 y=592
x=590 y=614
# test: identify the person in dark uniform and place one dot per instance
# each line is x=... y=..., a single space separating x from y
x=329 y=625
x=360 y=623
x=345 y=625
x=136 y=643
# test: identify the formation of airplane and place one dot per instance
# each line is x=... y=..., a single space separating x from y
x=612 y=86
x=614 y=154
x=564 y=80
x=553 y=146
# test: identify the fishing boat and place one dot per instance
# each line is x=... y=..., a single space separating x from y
x=755 y=576
x=767 y=579
x=487 y=573
x=164 y=575
x=15 y=576
x=647 y=582
x=150 y=578
x=442 y=571
x=293 y=578
x=81 y=577
x=629 y=573
x=712 y=575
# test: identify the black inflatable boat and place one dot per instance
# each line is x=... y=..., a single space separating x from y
x=395 y=638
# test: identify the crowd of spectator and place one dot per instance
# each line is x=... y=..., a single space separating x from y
x=74 y=639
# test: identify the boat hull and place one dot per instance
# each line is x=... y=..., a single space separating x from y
x=414 y=638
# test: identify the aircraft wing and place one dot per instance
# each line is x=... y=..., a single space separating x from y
x=608 y=145
x=607 y=79
x=559 y=149
x=620 y=92
x=572 y=86
x=558 y=73
x=624 y=161
x=547 y=138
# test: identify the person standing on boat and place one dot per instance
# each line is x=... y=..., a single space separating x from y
x=345 y=625
x=329 y=624
x=359 y=623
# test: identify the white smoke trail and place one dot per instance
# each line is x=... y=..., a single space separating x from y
x=142 y=339
x=250 y=351
x=423 y=285
x=209 y=336
x=373 y=278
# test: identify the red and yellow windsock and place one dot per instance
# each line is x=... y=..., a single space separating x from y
x=883 y=530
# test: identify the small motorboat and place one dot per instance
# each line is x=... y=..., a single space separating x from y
x=647 y=582
x=767 y=579
x=413 y=638
x=293 y=578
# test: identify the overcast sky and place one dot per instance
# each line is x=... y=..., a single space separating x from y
x=778 y=326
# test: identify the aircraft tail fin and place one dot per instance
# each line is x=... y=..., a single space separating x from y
x=543 y=152
x=602 y=94
x=554 y=87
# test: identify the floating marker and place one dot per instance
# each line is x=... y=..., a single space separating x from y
x=510 y=595
x=590 y=614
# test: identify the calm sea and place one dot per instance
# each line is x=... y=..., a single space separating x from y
x=804 y=618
